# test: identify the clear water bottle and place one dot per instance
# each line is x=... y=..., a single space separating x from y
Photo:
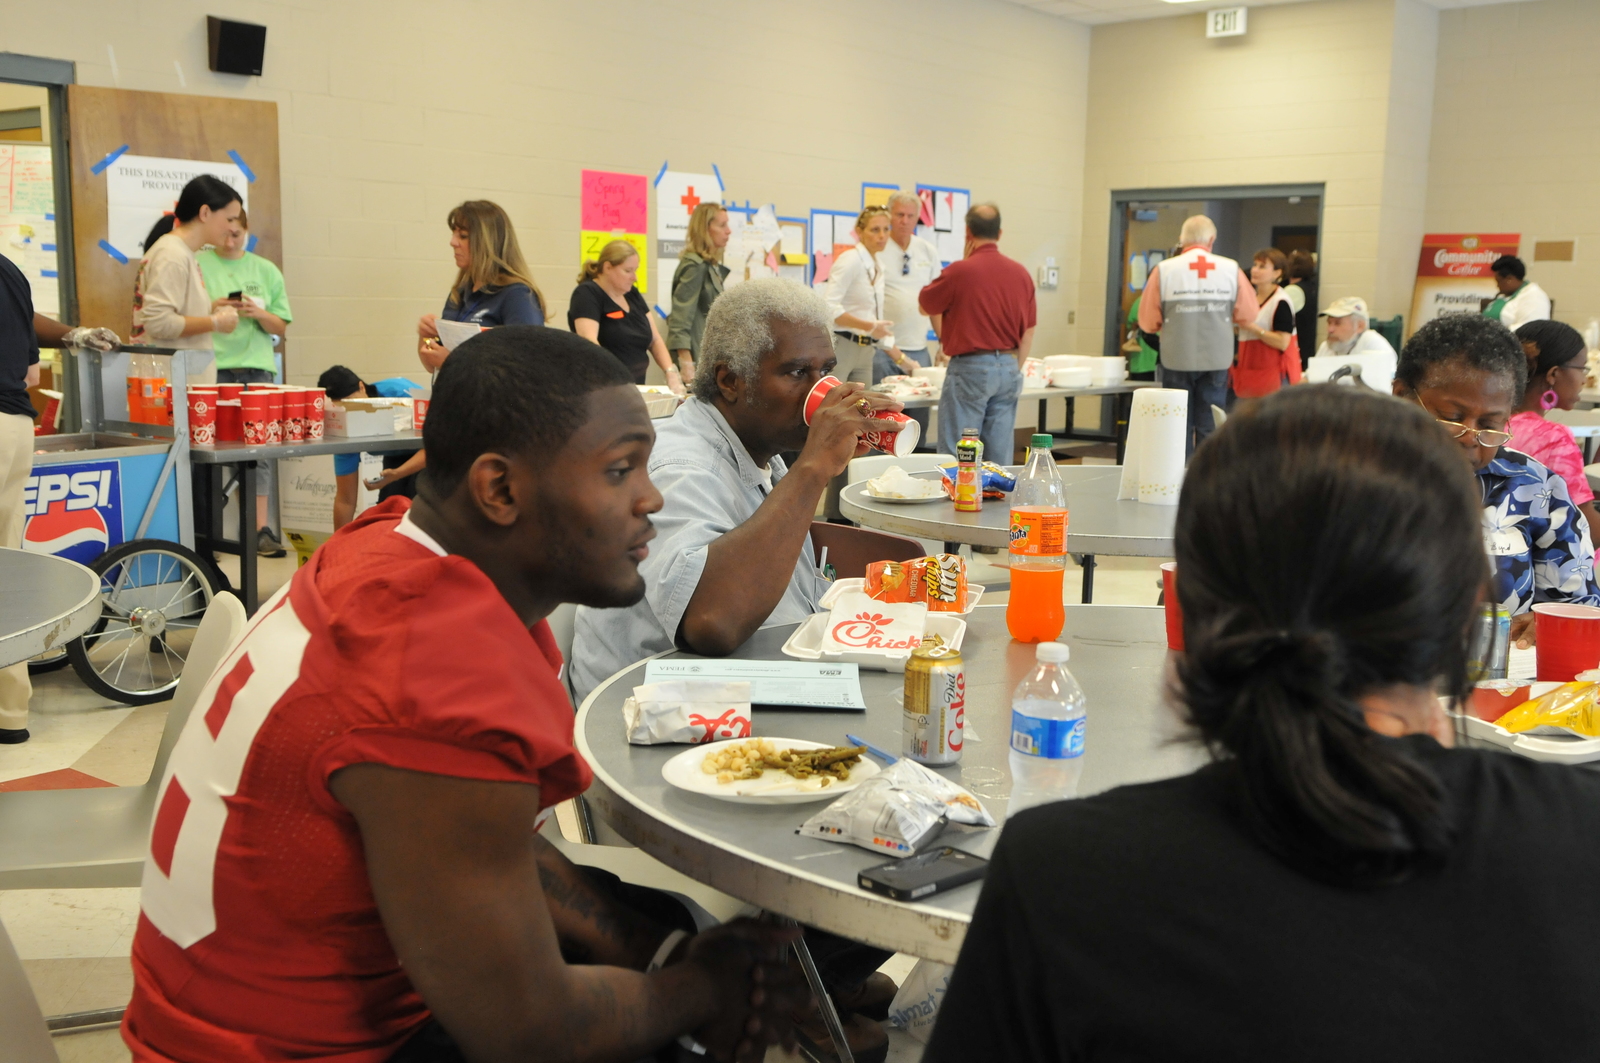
x=1048 y=721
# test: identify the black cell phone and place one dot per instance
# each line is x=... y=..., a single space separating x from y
x=923 y=875
x=236 y=295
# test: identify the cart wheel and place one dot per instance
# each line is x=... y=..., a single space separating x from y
x=152 y=596
x=49 y=661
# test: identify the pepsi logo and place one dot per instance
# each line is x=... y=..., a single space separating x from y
x=73 y=510
x=79 y=535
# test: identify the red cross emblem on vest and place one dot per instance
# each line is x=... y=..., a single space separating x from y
x=1202 y=265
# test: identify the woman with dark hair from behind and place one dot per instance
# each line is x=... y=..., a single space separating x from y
x=1470 y=374
x=1338 y=883
x=170 y=304
x=1558 y=364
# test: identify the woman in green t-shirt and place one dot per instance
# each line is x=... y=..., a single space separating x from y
x=254 y=287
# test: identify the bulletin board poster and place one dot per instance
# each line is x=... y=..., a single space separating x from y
x=614 y=206
x=1453 y=275
x=141 y=188
x=944 y=219
x=832 y=231
x=28 y=220
x=677 y=194
x=753 y=239
x=874 y=194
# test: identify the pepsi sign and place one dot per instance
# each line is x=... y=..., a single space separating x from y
x=73 y=510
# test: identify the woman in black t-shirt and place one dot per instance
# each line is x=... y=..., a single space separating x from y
x=1339 y=883
x=607 y=309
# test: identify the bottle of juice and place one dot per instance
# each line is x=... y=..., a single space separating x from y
x=1035 y=612
x=969 y=472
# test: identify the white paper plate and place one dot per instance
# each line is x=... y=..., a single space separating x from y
x=940 y=497
x=843 y=586
x=806 y=643
x=683 y=771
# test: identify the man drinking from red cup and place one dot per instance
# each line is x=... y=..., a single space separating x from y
x=734 y=552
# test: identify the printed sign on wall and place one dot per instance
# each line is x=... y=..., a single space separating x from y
x=141 y=188
x=677 y=194
x=1453 y=275
x=614 y=207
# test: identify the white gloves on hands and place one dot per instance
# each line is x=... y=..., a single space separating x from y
x=95 y=339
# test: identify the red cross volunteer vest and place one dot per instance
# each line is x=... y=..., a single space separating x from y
x=1198 y=290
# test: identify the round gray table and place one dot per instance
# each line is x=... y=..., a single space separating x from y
x=45 y=602
x=752 y=851
x=1098 y=522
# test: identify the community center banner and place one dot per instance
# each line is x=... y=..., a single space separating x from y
x=1453 y=275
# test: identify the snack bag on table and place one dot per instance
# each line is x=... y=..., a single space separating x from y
x=996 y=480
x=938 y=581
x=1571 y=708
x=898 y=810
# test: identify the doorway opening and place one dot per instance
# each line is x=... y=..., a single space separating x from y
x=1145 y=225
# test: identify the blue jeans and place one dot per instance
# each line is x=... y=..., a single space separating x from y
x=882 y=367
x=981 y=391
x=1206 y=388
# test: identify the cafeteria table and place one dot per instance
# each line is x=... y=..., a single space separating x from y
x=46 y=602
x=209 y=499
x=1098 y=522
x=752 y=852
x=1117 y=428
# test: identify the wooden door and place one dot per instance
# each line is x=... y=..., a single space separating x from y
x=101 y=121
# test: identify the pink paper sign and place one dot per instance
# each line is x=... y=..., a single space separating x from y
x=613 y=201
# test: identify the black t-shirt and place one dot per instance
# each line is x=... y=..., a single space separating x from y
x=1305 y=322
x=1144 y=924
x=625 y=333
x=1283 y=317
x=19 y=346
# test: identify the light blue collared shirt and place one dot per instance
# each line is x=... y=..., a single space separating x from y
x=710 y=486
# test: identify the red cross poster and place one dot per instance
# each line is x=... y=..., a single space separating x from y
x=1453 y=274
x=614 y=206
x=677 y=194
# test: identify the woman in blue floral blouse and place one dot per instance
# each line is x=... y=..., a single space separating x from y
x=1469 y=373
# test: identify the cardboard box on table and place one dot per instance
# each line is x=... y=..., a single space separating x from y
x=358 y=418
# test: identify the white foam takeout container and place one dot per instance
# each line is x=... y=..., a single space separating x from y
x=844 y=586
x=806 y=643
x=1071 y=377
x=1552 y=749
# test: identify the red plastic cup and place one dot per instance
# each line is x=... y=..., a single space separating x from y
x=294 y=415
x=1169 y=596
x=316 y=404
x=898 y=443
x=202 y=419
x=274 y=422
x=419 y=412
x=1493 y=698
x=230 y=421
x=819 y=391
x=253 y=405
x=1567 y=640
x=229 y=391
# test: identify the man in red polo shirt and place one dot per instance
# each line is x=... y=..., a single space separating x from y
x=984 y=312
x=344 y=864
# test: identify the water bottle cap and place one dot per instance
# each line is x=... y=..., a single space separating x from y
x=1042 y=440
x=1053 y=652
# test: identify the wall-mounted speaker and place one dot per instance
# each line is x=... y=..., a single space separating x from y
x=235 y=47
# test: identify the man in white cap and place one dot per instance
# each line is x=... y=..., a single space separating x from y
x=1351 y=343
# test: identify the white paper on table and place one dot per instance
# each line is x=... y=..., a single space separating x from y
x=454 y=333
x=1522 y=664
x=1152 y=465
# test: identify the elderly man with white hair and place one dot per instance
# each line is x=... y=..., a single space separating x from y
x=1351 y=343
x=1193 y=301
x=734 y=549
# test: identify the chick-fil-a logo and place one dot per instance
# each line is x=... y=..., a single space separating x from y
x=729 y=725
x=867 y=631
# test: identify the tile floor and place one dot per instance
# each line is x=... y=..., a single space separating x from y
x=75 y=944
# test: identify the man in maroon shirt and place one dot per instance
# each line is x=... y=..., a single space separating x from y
x=984 y=312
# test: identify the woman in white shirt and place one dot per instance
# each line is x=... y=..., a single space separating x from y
x=855 y=301
x=170 y=304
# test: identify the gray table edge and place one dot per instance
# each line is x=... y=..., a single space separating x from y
x=59 y=629
x=233 y=453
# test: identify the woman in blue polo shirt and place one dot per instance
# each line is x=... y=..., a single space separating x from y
x=493 y=285
x=338 y=383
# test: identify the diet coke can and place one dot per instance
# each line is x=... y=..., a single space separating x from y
x=935 y=704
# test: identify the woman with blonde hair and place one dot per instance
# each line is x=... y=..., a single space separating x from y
x=606 y=308
x=493 y=285
x=855 y=301
x=697 y=283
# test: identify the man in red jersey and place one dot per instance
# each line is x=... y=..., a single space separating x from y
x=344 y=864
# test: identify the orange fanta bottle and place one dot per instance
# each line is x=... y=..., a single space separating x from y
x=1034 y=611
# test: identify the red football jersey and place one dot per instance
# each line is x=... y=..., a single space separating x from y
x=258 y=935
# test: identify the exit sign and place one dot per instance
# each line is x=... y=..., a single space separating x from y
x=1226 y=22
